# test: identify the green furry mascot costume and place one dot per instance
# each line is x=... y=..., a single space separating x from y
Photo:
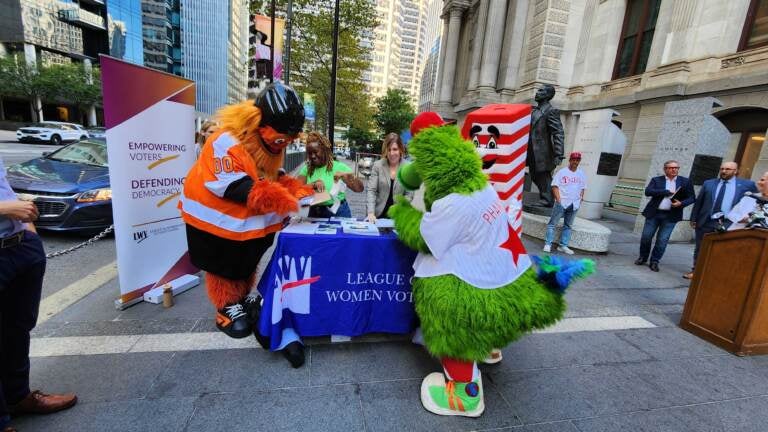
x=474 y=287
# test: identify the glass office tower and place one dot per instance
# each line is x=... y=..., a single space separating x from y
x=125 y=30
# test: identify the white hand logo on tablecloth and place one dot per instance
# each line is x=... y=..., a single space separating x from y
x=291 y=287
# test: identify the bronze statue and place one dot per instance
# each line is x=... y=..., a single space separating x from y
x=545 y=146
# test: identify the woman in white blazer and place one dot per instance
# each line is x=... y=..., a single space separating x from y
x=382 y=184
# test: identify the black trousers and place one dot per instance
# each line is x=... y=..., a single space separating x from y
x=230 y=259
x=21 y=282
x=543 y=181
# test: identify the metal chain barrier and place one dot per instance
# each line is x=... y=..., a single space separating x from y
x=91 y=240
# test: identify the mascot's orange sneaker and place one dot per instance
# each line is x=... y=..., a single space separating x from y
x=233 y=321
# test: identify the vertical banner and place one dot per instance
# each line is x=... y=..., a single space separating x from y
x=261 y=52
x=309 y=107
x=150 y=118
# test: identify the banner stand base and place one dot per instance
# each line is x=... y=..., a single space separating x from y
x=120 y=305
x=155 y=295
x=178 y=286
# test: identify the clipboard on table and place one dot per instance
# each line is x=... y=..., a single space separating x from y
x=317 y=198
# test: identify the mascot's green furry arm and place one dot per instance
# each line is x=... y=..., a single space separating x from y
x=407 y=220
x=461 y=322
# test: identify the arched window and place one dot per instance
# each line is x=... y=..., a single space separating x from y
x=636 y=37
x=755 y=31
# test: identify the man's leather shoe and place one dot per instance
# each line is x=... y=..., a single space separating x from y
x=688 y=275
x=38 y=402
x=639 y=261
x=654 y=266
x=294 y=353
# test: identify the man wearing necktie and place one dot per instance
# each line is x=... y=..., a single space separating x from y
x=717 y=197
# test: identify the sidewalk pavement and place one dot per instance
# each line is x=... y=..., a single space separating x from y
x=617 y=363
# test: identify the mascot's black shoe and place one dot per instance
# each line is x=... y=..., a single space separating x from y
x=233 y=321
x=294 y=352
x=253 y=305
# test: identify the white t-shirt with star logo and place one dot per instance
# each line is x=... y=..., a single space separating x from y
x=470 y=237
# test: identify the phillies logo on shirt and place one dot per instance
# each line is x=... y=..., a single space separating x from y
x=566 y=179
x=292 y=286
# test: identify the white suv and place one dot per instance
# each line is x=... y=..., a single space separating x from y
x=52 y=132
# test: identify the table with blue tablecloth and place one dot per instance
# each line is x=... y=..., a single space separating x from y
x=336 y=284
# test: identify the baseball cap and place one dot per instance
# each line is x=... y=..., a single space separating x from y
x=575 y=155
x=425 y=120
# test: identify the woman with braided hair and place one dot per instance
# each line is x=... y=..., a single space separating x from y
x=321 y=171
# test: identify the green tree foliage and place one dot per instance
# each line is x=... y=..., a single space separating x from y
x=311 y=56
x=19 y=78
x=362 y=139
x=394 y=112
x=69 y=83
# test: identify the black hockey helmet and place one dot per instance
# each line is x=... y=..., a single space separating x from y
x=281 y=108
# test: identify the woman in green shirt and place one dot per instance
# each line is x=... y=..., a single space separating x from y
x=321 y=171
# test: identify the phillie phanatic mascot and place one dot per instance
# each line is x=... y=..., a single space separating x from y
x=234 y=202
x=474 y=287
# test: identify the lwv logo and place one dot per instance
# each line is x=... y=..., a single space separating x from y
x=139 y=236
x=291 y=286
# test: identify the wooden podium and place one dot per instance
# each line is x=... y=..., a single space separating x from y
x=727 y=302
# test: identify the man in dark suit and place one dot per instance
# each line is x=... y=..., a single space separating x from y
x=717 y=196
x=669 y=194
x=545 y=148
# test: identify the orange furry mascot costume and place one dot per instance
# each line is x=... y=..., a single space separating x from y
x=233 y=202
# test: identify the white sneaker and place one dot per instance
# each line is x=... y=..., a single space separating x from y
x=547 y=248
x=494 y=357
x=565 y=249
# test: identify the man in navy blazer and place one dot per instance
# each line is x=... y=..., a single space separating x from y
x=669 y=194
x=710 y=203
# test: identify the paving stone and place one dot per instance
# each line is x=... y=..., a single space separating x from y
x=744 y=415
x=125 y=327
x=361 y=362
x=545 y=395
x=396 y=405
x=97 y=378
x=239 y=371
x=539 y=351
x=139 y=415
x=566 y=393
x=696 y=380
x=548 y=427
x=669 y=343
x=316 y=409
x=99 y=305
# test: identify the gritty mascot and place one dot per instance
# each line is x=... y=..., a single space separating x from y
x=234 y=201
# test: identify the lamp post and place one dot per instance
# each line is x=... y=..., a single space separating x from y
x=287 y=54
x=334 y=61
x=272 y=42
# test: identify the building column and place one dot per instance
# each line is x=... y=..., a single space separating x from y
x=449 y=64
x=440 y=64
x=477 y=44
x=517 y=21
x=494 y=35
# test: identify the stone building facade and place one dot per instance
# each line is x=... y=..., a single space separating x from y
x=632 y=56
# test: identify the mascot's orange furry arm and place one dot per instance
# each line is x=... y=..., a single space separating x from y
x=233 y=201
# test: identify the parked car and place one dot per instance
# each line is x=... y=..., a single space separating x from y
x=70 y=187
x=97 y=132
x=52 y=132
x=366 y=165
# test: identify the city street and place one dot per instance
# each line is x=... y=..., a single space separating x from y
x=13 y=152
x=66 y=269
x=618 y=362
